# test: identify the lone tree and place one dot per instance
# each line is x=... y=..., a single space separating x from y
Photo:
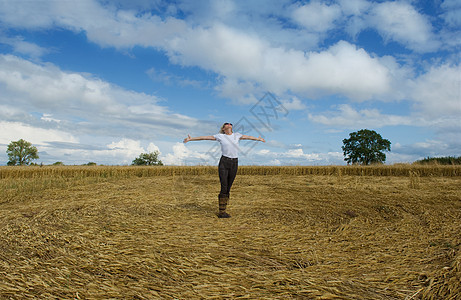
x=148 y=159
x=365 y=147
x=21 y=153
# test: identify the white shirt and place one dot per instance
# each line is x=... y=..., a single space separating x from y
x=229 y=143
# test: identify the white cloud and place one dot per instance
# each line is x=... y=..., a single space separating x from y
x=49 y=118
x=294 y=104
x=21 y=46
x=88 y=105
x=126 y=147
x=430 y=147
x=172 y=79
x=46 y=85
x=221 y=8
x=354 y=7
x=153 y=148
x=182 y=155
x=348 y=117
x=261 y=17
x=342 y=68
x=437 y=93
x=452 y=14
x=242 y=57
x=103 y=25
x=123 y=151
x=241 y=92
x=297 y=157
x=232 y=53
x=400 y=22
x=13 y=131
x=57 y=146
x=15 y=13
x=294 y=157
x=263 y=152
x=317 y=16
x=54 y=145
x=274 y=162
x=220 y=49
x=179 y=155
x=53 y=108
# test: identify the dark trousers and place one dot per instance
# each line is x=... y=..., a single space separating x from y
x=227 y=172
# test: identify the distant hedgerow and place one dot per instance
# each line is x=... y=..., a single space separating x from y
x=447 y=160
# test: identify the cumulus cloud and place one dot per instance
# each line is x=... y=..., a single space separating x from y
x=294 y=104
x=396 y=21
x=437 y=92
x=434 y=95
x=104 y=25
x=430 y=147
x=452 y=12
x=297 y=157
x=21 y=46
x=13 y=131
x=317 y=16
x=241 y=92
x=39 y=137
x=342 y=69
x=123 y=151
x=153 y=148
x=183 y=155
x=179 y=155
x=247 y=62
x=400 y=22
x=354 y=7
x=89 y=105
x=235 y=54
x=12 y=12
x=53 y=145
x=347 y=117
x=46 y=106
x=174 y=80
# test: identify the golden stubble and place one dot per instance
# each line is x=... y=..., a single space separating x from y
x=295 y=232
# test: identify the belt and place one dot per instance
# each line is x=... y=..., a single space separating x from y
x=229 y=158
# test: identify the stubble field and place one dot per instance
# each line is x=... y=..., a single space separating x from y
x=152 y=233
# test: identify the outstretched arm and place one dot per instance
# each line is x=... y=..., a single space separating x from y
x=249 y=137
x=199 y=138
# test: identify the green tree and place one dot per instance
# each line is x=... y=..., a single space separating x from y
x=21 y=153
x=365 y=147
x=148 y=159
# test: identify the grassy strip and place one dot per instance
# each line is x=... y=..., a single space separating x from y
x=141 y=171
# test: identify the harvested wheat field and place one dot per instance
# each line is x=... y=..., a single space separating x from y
x=295 y=233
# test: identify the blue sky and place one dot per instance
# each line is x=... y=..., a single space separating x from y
x=104 y=81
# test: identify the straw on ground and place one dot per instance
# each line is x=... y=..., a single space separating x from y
x=147 y=233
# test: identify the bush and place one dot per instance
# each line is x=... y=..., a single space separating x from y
x=446 y=160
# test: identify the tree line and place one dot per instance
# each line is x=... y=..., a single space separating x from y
x=363 y=147
x=22 y=153
x=446 y=160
